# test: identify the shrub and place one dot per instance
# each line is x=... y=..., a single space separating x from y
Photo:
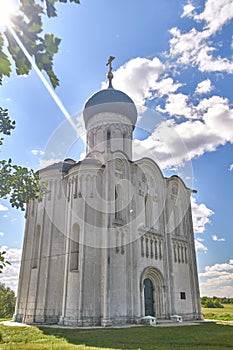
x=7 y=301
x=211 y=303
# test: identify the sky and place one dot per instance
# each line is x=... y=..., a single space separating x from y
x=174 y=59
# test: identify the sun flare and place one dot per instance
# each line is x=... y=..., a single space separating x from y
x=7 y=9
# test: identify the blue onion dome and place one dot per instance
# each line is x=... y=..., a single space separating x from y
x=110 y=100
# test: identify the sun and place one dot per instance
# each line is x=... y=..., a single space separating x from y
x=7 y=9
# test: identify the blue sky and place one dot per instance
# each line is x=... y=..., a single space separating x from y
x=174 y=59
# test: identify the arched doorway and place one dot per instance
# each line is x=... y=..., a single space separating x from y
x=148 y=297
x=152 y=293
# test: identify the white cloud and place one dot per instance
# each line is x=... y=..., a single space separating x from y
x=36 y=152
x=207 y=63
x=219 y=267
x=3 y=208
x=166 y=86
x=204 y=87
x=201 y=215
x=164 y=145
x=200 y=246
x=138 y=78
x=231 y=167
x=216 y=239
x=217 y=280
x=216 y=14
x=211 y=103
x=11 y=272
x=177 y=105
x=187 y=10
x=203 y=127
x=194 y=47
x=186 y=46
x=172 y=143
x=209 y=125
x=1 y=233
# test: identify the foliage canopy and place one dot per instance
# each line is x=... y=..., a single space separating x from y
x=20 y=184
x=7 y=301
x=27 y=23
x=215 y=302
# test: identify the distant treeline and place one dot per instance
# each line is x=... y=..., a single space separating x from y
x=215 y=302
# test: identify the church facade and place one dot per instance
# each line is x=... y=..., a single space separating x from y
x=112 y=241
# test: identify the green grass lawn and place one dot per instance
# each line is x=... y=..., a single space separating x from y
x=208 y=336
x=225 y=314
x=199 y=337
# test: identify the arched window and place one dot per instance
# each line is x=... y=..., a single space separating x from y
x=109 y=139
x=118 y=203
x=36 y=247
x=148 y=211
x=74 y=248
x=125 y=142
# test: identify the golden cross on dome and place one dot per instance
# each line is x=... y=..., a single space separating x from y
x=109 y=63
x=110 y=75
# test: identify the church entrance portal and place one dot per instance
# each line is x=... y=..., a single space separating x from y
x=152 y=293
x=149 y=297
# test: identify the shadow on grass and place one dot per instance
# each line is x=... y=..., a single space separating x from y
x=205 y=336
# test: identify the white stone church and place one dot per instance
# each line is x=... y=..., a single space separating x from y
x=112 y=241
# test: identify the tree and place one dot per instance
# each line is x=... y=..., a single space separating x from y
x=28 y=26
x=20 y=184
x=211 y=302
x=3 y=261
x=7 y=301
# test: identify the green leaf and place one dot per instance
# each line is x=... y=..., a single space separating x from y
x=20 y=184
x=35 y=28
x=50 y=8
x=51 y=44
x=7 y=297
x=6 y=124
x=53 y=78
x=28 y=26
x=5 y=66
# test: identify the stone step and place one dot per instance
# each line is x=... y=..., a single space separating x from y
x=165 y=321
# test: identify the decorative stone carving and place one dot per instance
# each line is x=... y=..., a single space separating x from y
x=151 y=246
x=175 y=189
x=180 y=252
